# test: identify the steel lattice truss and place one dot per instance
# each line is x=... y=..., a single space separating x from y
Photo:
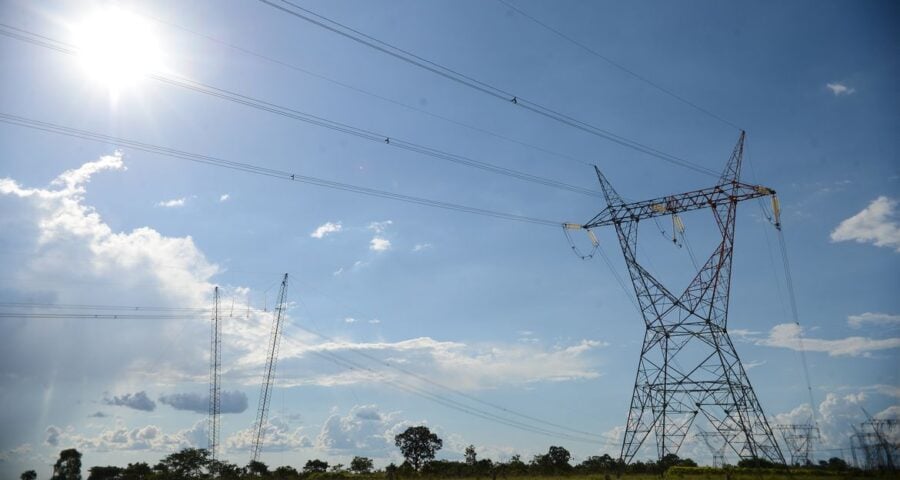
x=689 y=367
x=799 y=439
x=265 y=391
x=215 y=387
x=716 y=447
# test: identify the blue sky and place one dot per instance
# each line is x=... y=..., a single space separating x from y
x=501 y=311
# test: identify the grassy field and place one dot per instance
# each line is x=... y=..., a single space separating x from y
x=710 y=474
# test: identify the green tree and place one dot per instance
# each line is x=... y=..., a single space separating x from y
x=418 y=445
x=471 y=455
x=188 y=463
x=68 y=467
x=257 y=469
x=361 y=465
x=28 y=475
x=137 y=471
x=286 y=472
x=315 y=466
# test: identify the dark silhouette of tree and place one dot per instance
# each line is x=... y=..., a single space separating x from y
x=188 y=463
x=257 y=469
x=836 y=463
x=286 y=472
x=104 y=473
x=136 y=471
x=314 y=466
x=554 y=461
x=471 y=455
x=68 y=467
x=28 y=475
x=361 y=465
x=597 y=464
x=418 y=445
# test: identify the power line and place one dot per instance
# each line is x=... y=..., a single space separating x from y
x=579 y=435
x=263 y=171
x=619 y=66
x=359 y=90
x=199 y=87
x=483 y=87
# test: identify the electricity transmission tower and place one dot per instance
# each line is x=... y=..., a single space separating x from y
x=711 y=440
x=265 y=393
x=215 y=363
x=799 y=439
x=688 y=365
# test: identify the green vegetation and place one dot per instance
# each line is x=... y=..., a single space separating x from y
x=419 y=445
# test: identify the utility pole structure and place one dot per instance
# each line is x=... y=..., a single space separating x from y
x=799 y=439
x=688 y=365
x=265 y=393
x=215 y=387
x=718 y=451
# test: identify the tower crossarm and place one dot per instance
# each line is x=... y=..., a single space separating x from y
x=710 y=197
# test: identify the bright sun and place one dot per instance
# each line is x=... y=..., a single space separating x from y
x=117 y=48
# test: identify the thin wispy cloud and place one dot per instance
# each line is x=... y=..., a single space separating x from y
x=224 y=197
x=869 y=318
x=876 y=224
x=174 y=203
x=790 y=335
x=421 y=246
x=839 y=89
x=326 y=229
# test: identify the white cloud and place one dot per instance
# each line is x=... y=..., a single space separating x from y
x=148 y=437
x=338 y=272
x=224 y=197
x=374 y=321
x=789 y=335
x=364 y=430
x=421 y=246
x=887 y=319
x=876 y=224
x=174 y=203
x=325 y=229
x=457 y=364
x=839 y=89
x=278 y=436
x=380 y=227
x=349 y=320
x=379 y=244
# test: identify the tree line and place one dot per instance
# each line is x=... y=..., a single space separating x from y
x=418 y=445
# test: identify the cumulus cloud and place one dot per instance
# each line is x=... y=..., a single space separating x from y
x=869 y=318
x=174 y=203
x=364 y=430
x=325 y=229
x=839 y=89
x=876 y=224
x=790 y=335
x=380 y=227
x=137 y=401
x=148 y=437
x=224 y=197
x=230 y=401
x=379 y=244
x=278 y=433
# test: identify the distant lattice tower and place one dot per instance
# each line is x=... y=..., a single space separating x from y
x=215 y=387
x=799 y=439
x=716 y=446
x=688 y=366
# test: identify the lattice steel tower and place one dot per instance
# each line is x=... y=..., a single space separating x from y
x=215 y=387
x=268 y=379
x=689 y=367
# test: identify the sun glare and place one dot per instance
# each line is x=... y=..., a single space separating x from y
x=117 y=48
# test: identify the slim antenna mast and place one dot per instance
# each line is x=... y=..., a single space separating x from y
x=265 y=393
x=215 y=363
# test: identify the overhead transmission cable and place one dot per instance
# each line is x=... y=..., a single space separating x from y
x=295 y=67
x=618 y=65
x=263 y=171
x=297 y=11
x=199 y=87
x=577 y=435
